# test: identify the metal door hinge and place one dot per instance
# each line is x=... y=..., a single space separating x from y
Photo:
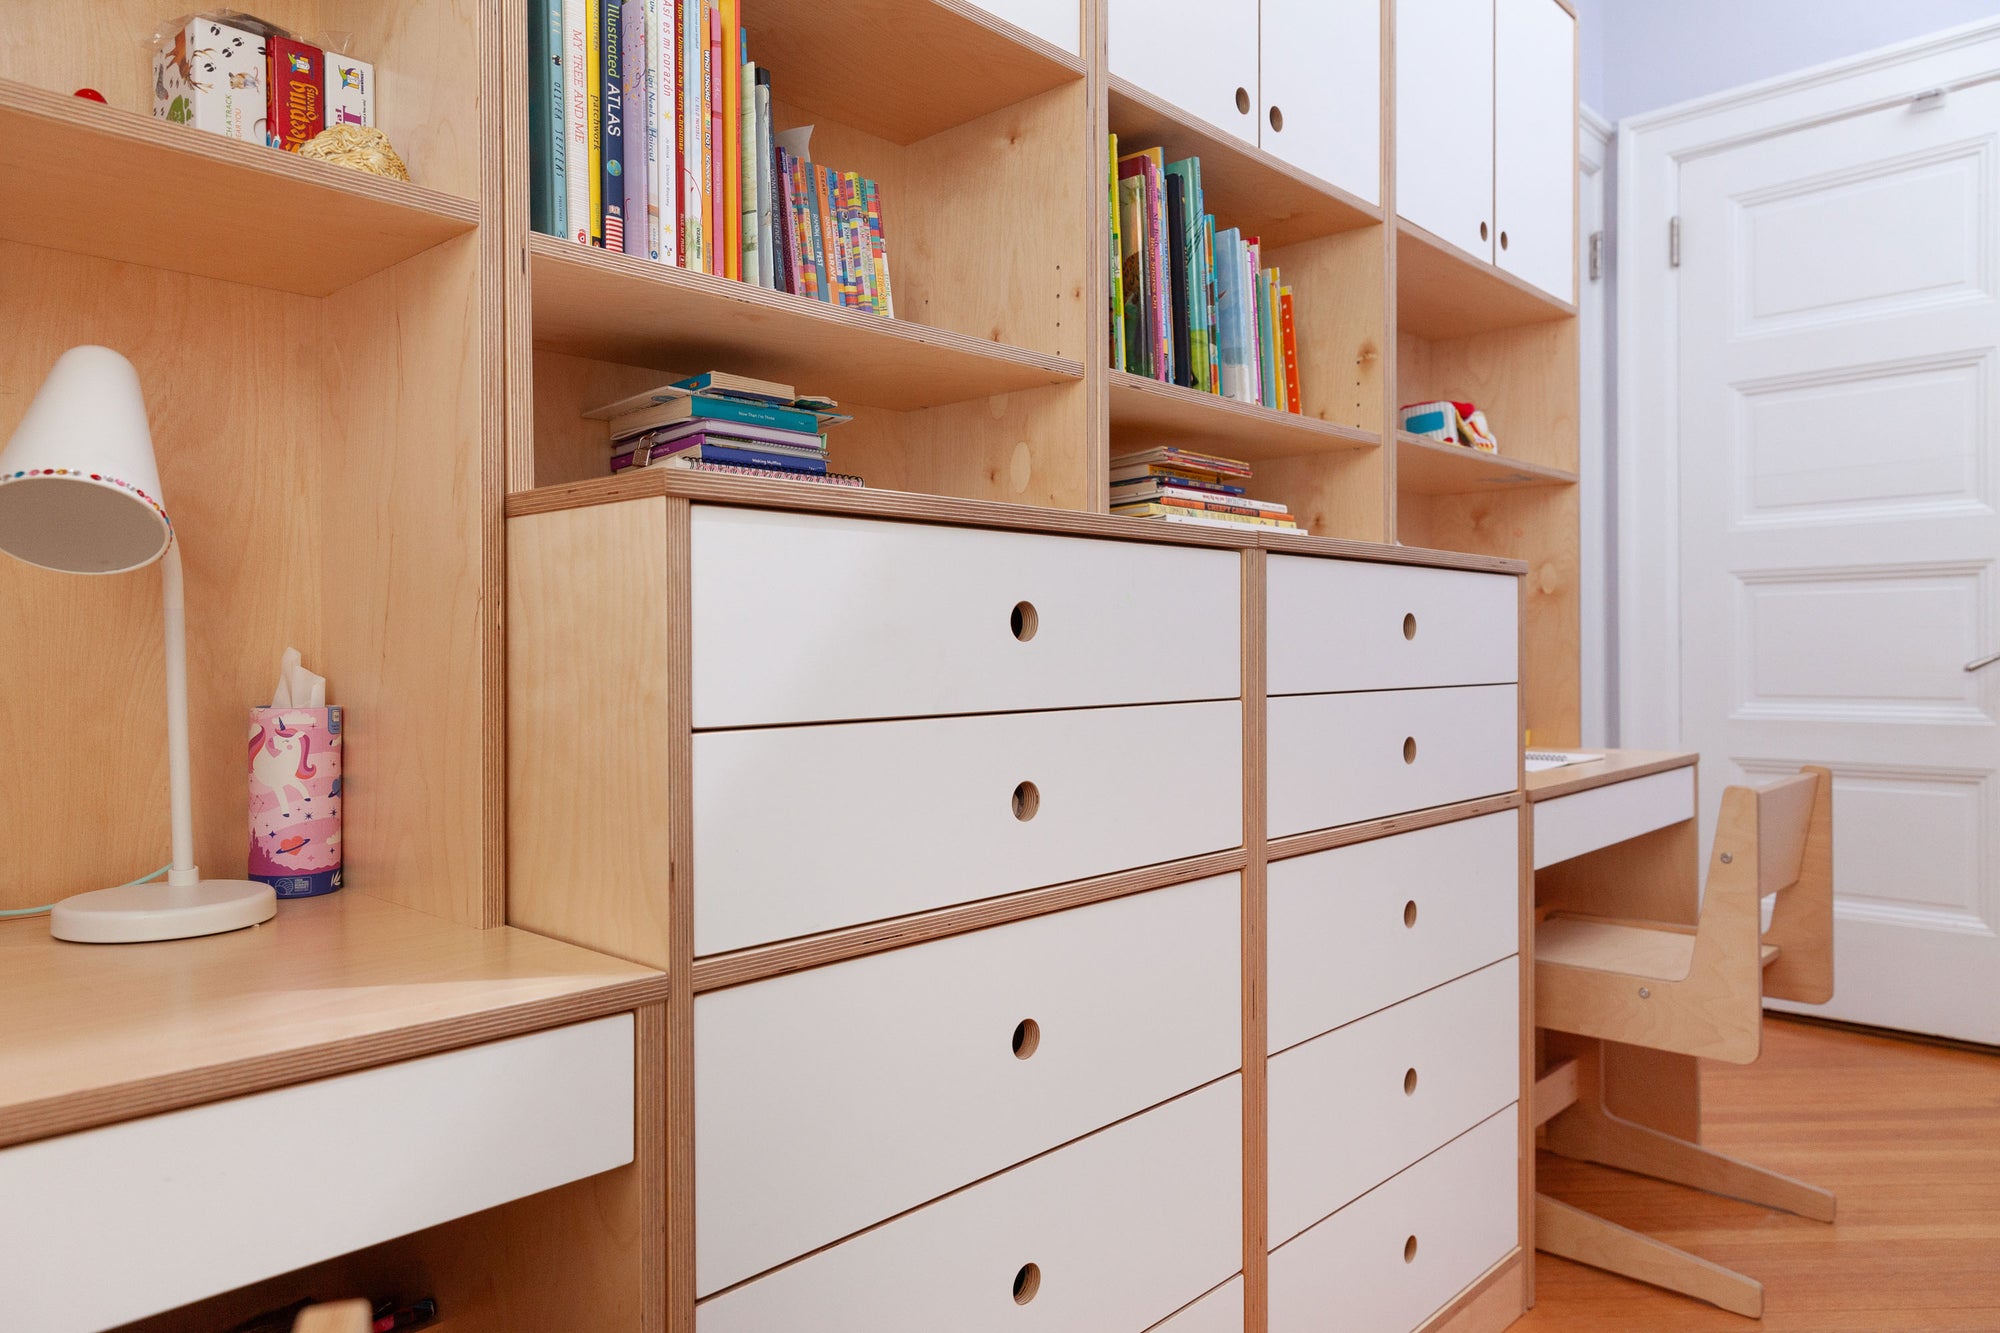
x=1596 y=255
x=1674 y=242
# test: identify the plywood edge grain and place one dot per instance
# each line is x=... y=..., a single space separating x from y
x=1616 y=766
x=717 y=971
x=1319 y=840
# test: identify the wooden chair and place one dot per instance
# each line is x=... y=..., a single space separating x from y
x=1699 y=991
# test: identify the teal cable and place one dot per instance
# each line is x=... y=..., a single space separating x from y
x=37 y=911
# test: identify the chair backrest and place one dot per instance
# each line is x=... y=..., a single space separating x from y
x=335 y=1317
x=1784 y=814
x=1795 y=854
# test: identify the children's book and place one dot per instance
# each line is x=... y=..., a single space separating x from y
x=637 y=125
x=1117 y=265
x=611 y=122
x=576 y=135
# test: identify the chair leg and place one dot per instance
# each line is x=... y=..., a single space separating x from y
x=1589 y=1131
x=1571 y=1233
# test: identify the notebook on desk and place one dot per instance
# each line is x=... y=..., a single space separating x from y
x=1540 y=760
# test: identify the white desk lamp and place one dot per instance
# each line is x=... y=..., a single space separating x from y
x=80 y=494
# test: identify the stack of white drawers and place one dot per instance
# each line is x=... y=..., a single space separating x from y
x=1038 y=1121
x=1394 y=1054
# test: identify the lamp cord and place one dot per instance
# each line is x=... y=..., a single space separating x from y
x=47 y=907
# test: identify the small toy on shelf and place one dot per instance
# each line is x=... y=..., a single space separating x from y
x=1450 y=423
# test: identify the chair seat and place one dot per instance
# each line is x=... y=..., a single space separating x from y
x=1660 y=953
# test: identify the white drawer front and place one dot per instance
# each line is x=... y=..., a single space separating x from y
x=805 y=618
x=1352 y=1108
x=803 y=829
x=1358 y=928
x=1122 y=1229
x=1358 y=1271
x=1353 y=625
x=104 y=1226
x=828 y=1100
x=1221 y=1311
x=1342 y=758
x=1587 y=820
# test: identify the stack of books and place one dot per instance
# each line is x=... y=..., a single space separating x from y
x=1190 y=304
x=725 y=423
x=1182 y=486
x=650 y=133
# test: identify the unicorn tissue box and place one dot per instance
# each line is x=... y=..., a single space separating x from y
x=295 y=799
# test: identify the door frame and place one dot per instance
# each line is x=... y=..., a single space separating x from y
x=1651 y=151
x=1596 y=566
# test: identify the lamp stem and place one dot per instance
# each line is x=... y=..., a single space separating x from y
x=181 y=785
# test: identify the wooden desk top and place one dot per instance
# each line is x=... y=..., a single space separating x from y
x=1616 y=766
x=95 y=1033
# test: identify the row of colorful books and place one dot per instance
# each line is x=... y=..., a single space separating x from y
x=1190 y=304
x=650 y=133
x=241 y=77
x=720 y=422
x=1179 y=485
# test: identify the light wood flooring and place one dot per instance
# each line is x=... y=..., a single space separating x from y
x=1907 y=1135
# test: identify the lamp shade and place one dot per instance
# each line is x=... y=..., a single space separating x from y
x=79 y=490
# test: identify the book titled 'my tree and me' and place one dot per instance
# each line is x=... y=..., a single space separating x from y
x=650 y=133
x=1190 y=304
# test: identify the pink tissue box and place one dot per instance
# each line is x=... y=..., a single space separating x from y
x=295 y=799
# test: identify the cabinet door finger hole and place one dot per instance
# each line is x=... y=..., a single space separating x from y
x=1410 y=625
x=1409 y=1082
x=1503 y=240
x=1024 y=621
x=1409 y=749
x=1027 y=1282
x=1410 y=1250
x=1277 y=119
x=1027 y=800
x=1410 y=914
x=1027 y=1038
x=1243 y=101
x=1482 y=231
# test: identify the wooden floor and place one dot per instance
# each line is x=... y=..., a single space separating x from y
x=1908 y=1137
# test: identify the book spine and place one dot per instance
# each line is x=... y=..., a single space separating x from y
x=767 y=232
x=350 y=83
x=1159 y=276
x=576 y=122
x=297 y=93
x=1132 y=272
x=611 y=121
x=1210 y=499
x=1208 y=303
x=687 y=97
x=1274 y=353
x=557 y=107
x=816 y=270
x=746 y=175
x=637 y=124
x=826 y=244
x=878 y=240
x=666 y=175
x=713 y=210
x=544 y=134
x=722 y=453
x=1178 y=252
x=658 y=138
x=730 y=107
x=1117 y=265
x=1252 y=344
x=1291 y=342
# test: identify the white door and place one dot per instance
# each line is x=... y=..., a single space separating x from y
x=1199 y=55
x=1534 y=143
x=1322 y=90
x=1839 y=410
x=1444 y=119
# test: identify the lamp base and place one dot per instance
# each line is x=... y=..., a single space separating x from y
x=135 y=913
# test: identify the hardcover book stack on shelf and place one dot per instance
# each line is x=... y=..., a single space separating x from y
x=729 y=424
x=236 y=75
x=1190 y=304
x=1181 y=486
x=650 y=133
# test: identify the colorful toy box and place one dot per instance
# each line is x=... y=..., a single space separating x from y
x=213 y=75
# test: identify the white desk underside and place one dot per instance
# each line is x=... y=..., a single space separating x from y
x=1585 y=821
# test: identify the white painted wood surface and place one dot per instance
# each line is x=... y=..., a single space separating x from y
x=808 y=617
x=1123 y=1227
x=1322 y=71
x=1350 y=1274
x=1056 y=22
x=1444 y=119
x=107 y=1225
x=1339 y=758
x=1195 y=54
x=828 y=1100
x=1534 y=143
x=802 y=829
x=1839 y=437
x=1338 y=625
x=1221 y=1311
x=1346 y=1114
x=1358 y=928
x=1600 y=816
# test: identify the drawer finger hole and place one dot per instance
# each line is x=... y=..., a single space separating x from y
x=1409 y=1082
x=1027 y=1038
x=1410 y=625
x=1410 y=914
x=1027 y=801
x=1024 y=621
x=1410 y=1250
x=1027 y=1281
x=1409 y=749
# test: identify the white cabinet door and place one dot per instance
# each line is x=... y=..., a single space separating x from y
x=1200 y=55
x=1534 y=143
x=1322 y=95
x=1054 y=21
x=1444 y=119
